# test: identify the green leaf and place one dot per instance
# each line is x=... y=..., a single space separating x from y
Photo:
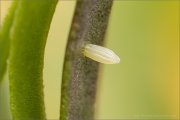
x=28 y=39
x=5 y=39
x=80 y=73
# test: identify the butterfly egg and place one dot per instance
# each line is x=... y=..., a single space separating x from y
x=101 y=54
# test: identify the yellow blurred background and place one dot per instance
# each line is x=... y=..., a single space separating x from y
x=144 y=85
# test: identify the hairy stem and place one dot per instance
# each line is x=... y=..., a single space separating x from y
x=28 y=39
x=80 y=73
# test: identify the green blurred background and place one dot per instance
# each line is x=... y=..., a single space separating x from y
x=144 y=85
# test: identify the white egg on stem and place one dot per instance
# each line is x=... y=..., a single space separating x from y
x=101 y=54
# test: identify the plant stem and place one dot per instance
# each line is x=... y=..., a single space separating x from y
x=28 y=39
x=5 y=39
x=80 y=73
